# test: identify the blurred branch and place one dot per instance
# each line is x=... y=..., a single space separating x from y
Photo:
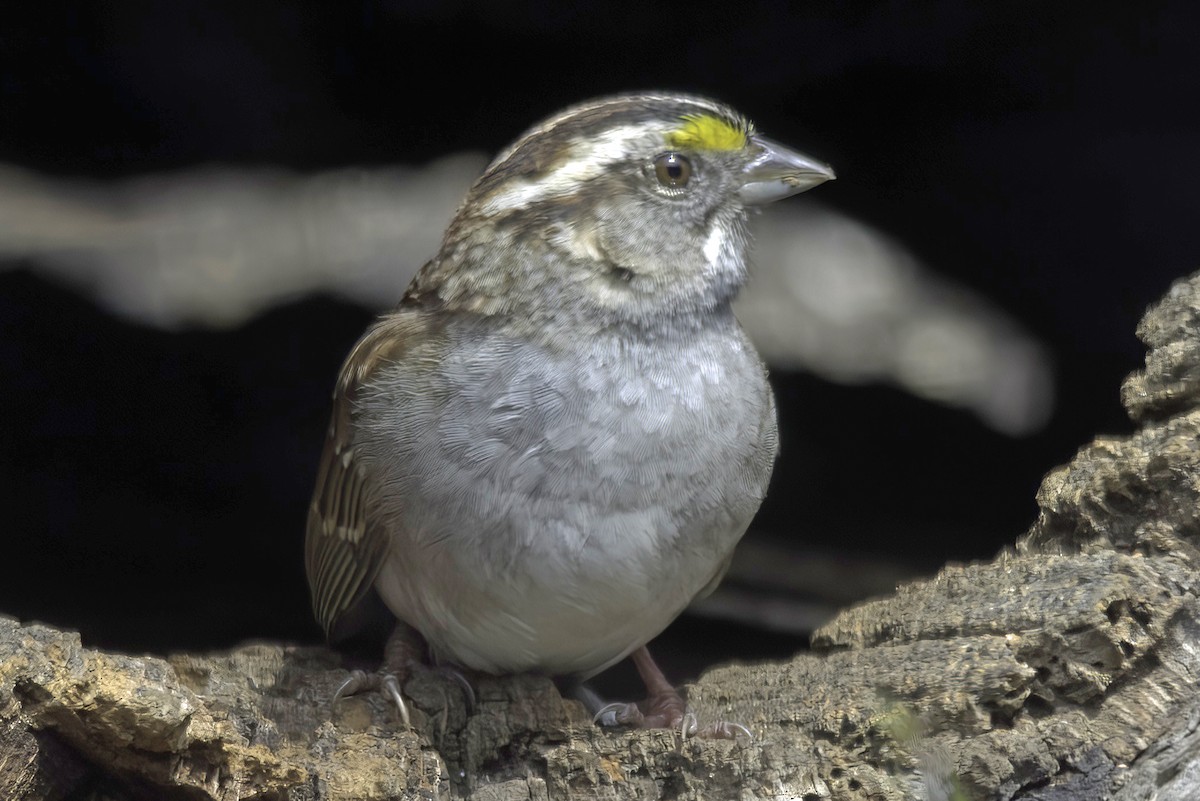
x=215 y=246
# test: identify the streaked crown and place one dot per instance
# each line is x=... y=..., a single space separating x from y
x=582 y=141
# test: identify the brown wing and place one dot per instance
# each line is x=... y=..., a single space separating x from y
x=343 y=547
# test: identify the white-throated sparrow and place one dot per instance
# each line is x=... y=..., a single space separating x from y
x=555 y=441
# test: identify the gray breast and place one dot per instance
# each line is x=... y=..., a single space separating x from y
x=596 y=477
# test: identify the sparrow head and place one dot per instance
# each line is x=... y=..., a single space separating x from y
x=623 y=209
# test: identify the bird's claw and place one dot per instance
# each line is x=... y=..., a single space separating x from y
x=392 y=685
x=357 y=682
x=457 y=677
x=386 y=683
x=618 y=714
x=681 y=719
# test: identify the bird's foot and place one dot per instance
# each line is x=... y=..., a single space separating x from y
x=403 y=656
x=388 y=683
x=667 y=711
x=663 y=708
x=384 y=682
x=660 y=711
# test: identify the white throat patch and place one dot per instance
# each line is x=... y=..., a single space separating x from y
x=714 y=243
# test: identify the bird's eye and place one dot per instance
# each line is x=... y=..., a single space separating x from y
x=672 y=170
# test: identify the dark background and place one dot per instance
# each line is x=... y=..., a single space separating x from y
x=153 y=484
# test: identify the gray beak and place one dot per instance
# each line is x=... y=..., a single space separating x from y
x=778 y=172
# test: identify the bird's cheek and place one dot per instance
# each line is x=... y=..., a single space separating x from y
x=581 y=241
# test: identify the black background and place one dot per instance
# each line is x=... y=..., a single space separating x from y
x=153 y=484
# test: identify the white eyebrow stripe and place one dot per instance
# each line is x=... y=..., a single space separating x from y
x=587 y=160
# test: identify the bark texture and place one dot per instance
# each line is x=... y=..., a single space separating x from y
x=1067 y=668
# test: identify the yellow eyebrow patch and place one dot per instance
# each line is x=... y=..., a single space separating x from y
x=707 y=132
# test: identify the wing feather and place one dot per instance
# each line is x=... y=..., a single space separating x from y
x=343 y=547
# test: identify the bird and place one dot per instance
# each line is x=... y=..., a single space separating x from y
x=555 y=440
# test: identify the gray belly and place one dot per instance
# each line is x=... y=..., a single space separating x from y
x=552 y=511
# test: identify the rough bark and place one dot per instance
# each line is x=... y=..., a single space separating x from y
x=1064 y=669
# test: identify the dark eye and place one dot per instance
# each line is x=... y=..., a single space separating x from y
x=673 y=170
